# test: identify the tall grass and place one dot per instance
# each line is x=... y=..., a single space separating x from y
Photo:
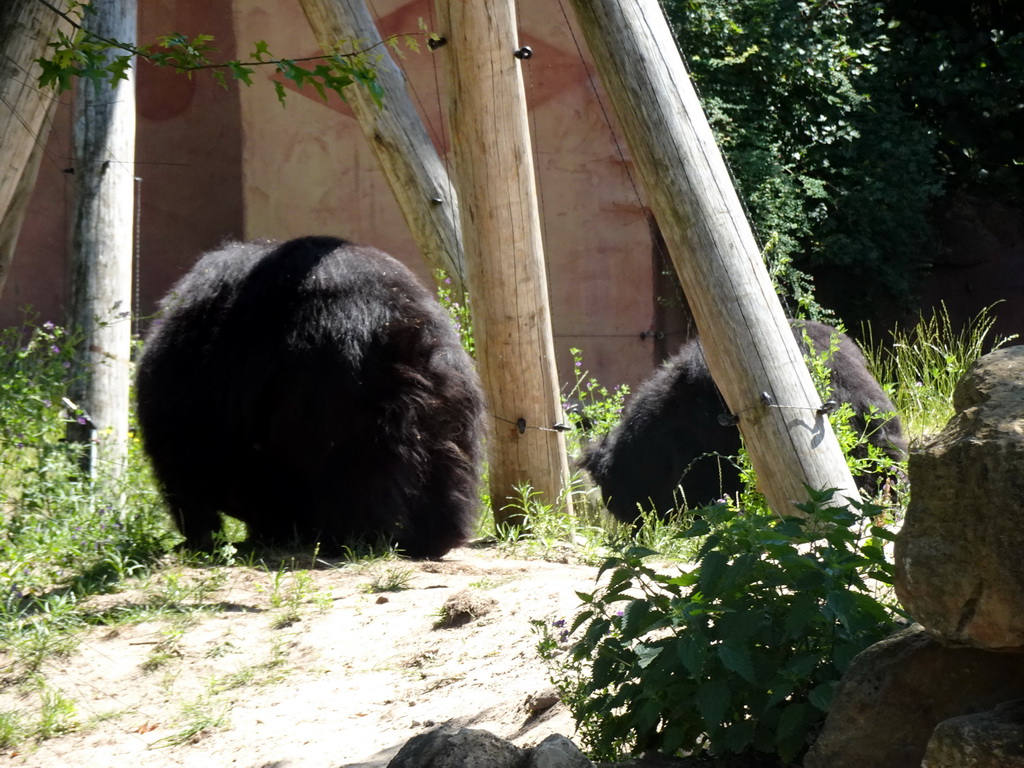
x=921 y=365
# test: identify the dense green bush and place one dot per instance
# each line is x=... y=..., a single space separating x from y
x=844 y=121
x=738 y=655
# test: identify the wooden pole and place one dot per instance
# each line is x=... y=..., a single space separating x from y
x=398 y=138
x=504 y=255
x=26 y=26
x=102 y=248
x=749 y=347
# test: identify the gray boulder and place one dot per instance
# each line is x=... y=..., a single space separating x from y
x=993 y=739
x=556 y=751
x=959 y=569
x=448 y=747
x=897 y=691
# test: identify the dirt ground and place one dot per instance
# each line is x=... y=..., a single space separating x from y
x=306 y=669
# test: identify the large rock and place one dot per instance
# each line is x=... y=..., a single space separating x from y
x=897 y=691
x=556 y=751
x=457 y=748
x=959 y=569
x=449 y=747
x=993 y=739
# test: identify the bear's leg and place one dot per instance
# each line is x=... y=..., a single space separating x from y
x=197 y=520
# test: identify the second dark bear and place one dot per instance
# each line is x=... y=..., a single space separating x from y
x=316 y=391
x=671 y=449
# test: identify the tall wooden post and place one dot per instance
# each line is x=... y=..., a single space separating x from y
x=398 y=138
x=502 y=238
x=749 y=347
x=102 y=247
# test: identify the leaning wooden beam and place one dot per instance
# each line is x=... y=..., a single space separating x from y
x=398 y=138
x=26 y=28
x=749 y=347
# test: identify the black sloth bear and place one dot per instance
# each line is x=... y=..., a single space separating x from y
x=315 y=390
x=671 y=447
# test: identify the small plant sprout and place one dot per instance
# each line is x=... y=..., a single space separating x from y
x=386 y=577
x=460 y=313
x=591 y=409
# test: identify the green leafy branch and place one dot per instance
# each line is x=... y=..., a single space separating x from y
x=84 y=54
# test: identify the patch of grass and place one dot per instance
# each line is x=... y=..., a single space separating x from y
x=221 y=649
x=157 y=659
x=12 y=729
x=385 y=577
x=41 y=630
x=290 y=592
x=921 y=365
x=488 y=582
x=167 y=650
x=548 y=530
x=664 y=534
x=588 y=535
x=363 y=552
x=63 y=537
x=270 y=672
x=57 y=714
x=196 y=719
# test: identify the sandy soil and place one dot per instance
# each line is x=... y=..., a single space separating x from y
x=346 y=683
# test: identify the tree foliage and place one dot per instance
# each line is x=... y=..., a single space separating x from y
x=843 y=123
x=959 y=68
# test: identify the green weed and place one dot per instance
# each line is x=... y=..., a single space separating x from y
x=269 y=672
x=57 y=714
x=388 y=578
x=12 y=729
x=590 y=408
x=460 y=313
x=737 y=654
x=196 y=719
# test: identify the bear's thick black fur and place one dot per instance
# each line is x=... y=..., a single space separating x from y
x=670 y=447
x=315 y=390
